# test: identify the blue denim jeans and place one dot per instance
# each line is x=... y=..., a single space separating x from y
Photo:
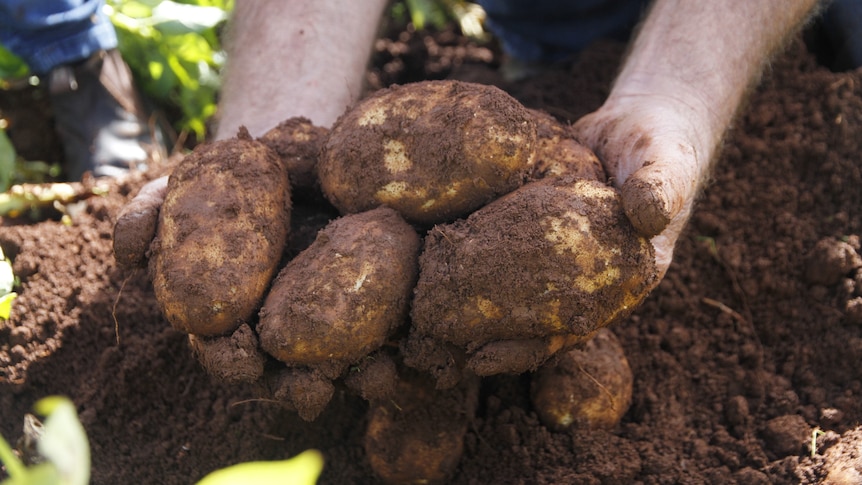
x=553 y=30
x=50 y=33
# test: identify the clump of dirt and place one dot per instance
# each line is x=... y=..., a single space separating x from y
x=737 y=356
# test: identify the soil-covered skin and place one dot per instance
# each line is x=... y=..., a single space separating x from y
x=737 y=356
x=434 y=150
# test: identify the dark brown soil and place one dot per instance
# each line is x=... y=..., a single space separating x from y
x=738 y=355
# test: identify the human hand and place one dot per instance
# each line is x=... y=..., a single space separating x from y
x=135 y=226
x=657 y=152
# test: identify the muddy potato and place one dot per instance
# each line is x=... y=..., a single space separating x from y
x=586 y=388
x=297 y=141
x=549 y=264
x=220 y=235
x=559 y=153
x=343 y=296
x=433 y=151
x=417 y=436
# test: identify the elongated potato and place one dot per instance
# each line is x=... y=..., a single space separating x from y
x=221 y=233
x=343 y=296
x=549 y=264
x=434 y=151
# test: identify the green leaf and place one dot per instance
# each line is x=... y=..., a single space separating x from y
x=176 y=18
x=64 y=441
x=7 y=277
x=7 y=161
x=11 y=66
x=303 y=469
x=6 y=305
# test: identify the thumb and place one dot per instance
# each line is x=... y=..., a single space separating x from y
x=135 y=226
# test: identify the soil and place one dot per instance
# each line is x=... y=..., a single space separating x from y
x=750 y=343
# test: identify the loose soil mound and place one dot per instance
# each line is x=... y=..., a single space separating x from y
x=737 y=356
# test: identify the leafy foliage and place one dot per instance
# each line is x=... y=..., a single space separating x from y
x=175 y=52
x=7 y=283
x=61 y=441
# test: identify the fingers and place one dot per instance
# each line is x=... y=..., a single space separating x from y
x=658 y=156
x=135 y=227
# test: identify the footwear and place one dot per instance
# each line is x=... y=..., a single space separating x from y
x=101 y=118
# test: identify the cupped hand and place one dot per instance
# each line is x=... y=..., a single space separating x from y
x=657 y=152
x=135 y=226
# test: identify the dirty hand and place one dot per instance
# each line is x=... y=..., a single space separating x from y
x=656 y=151
x=135 y=226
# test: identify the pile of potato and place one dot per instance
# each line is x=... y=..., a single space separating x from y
x=475 y=237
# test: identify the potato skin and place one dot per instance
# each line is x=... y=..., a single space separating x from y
x=417 y=436
x=340 y=299
x=559 y=153
x=298 y=141
x=434 y=151
x=585 y=388
x=555 y=260
x=221 y=232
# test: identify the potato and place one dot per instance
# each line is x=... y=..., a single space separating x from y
x=298 y=142
x=559 y=154
x=418 y=435
x=588 y=388
x=549 y=264
x=434 y=151
x=221 y=232
x=343 y=296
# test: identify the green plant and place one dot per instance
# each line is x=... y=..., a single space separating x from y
x=302 y=469
x=11 y=68
x=175 y=52
x=63 y=455
x=61 y=441
x=437 y=13
x=7 y=283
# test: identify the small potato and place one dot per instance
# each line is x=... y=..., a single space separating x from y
x=549 y=264
x=297 y=141
x=434 y=151
x=559 y=154
x=221 y=233
x=589 y=388
x=417 y=436
x=343 y=296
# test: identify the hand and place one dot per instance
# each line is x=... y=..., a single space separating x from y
x=136 y=224
x=657 y=152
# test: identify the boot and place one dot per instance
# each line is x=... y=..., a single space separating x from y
x=101 y=118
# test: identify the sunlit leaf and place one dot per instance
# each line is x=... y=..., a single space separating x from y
x=303 y=469
x=177 y=18
x=64 y=441
x=7 y=161
x=6 y=305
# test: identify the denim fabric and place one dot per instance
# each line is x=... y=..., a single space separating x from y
x=50 y=33
x=553 y=30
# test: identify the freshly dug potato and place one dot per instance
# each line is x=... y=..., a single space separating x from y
x=298 y=142
x=418 y=435
x=559 y=154
x=588 y=388
x=221 y=232
x=343 y=296
x=549 y=264
x=434 y=151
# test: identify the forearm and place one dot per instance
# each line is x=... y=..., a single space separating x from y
x=707 y=55
x=299 y=58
